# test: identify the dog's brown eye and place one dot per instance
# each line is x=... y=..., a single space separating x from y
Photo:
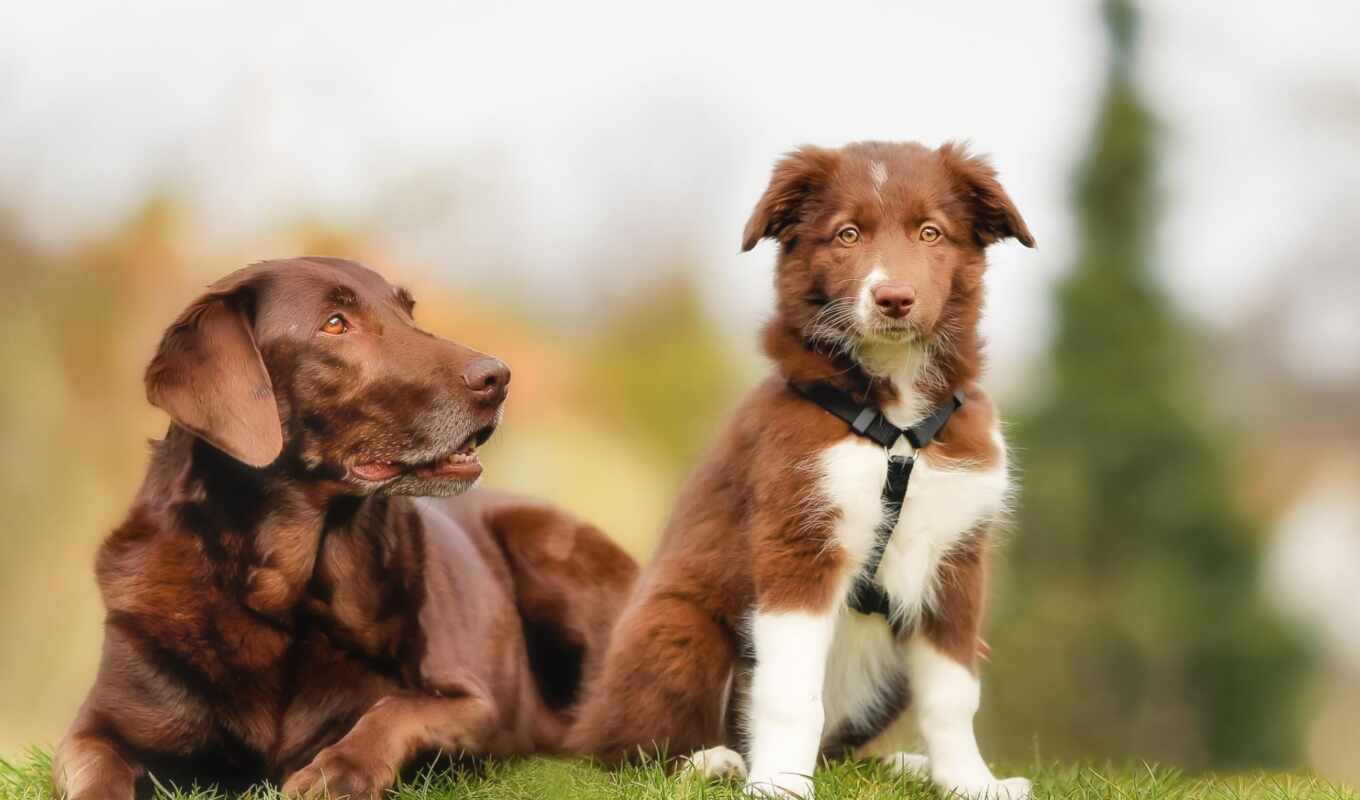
x=336 y=325
x=848 y=235
x=930 y=233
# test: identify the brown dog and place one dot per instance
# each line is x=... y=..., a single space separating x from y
x=276 y=608
x=742 y=635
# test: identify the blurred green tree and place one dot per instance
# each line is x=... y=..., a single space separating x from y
x=1136 y=576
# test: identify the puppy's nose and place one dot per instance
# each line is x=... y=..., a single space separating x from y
x=488 y=379
x=894 y=300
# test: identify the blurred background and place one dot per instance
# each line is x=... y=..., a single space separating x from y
x=564 y=185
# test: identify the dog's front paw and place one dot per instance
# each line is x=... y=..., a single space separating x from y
x=780 y=786
x=911 y=764
x=1006 y=789
x=337 y=773
x=715 y=763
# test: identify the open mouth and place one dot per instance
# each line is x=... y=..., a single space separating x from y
x=460 y=464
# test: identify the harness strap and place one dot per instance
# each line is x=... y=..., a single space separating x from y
x=867 y=595
x=863 y=420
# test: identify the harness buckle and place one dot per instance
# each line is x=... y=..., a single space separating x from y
x=865 y=419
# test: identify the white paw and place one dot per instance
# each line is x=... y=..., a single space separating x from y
x=913 y=764
x=781 y=785
x=1008 y=789
x=715 y=763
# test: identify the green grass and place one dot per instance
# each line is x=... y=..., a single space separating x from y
x=537 y=779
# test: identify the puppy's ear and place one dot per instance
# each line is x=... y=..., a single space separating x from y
x=994 y=215
x=797 y=176
x=208 y=376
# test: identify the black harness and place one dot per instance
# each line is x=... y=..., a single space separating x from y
x=867 y=595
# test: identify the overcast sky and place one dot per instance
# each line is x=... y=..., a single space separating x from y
x=564 y=145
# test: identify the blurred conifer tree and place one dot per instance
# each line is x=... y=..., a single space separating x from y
x=1132 y=623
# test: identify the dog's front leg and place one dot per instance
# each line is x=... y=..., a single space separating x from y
x=368 y=759
x=88 y=766
x=799 y=585
x=786 y=715
x=941 y=661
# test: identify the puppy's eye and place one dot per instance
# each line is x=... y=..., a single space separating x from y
x=848 y=235
x=336 y=325
x=930 y=233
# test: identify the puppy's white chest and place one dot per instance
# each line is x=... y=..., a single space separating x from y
x=943 y=504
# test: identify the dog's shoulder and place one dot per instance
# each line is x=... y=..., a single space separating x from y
x=167 y=595
x=974 y=435
x=773 y=439
x=149 y=564
x=748 y=507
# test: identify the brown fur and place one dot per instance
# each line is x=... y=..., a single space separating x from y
x=272 y=614
x=743 y=534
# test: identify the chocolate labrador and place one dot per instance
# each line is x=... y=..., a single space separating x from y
x=287 y=600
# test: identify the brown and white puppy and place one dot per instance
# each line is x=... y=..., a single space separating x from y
x=282 y=604
x=739 y=637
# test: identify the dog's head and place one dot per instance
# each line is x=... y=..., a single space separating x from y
x=319 y=360
x=882 y=243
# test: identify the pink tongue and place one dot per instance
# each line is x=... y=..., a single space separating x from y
x=376 y=471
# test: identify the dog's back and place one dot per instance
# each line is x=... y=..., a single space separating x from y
x=568 y=582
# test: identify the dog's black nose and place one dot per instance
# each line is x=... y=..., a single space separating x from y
x=488 y=379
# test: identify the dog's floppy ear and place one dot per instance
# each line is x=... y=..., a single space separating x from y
x=994 y=215
x=796 y=176
x=208 y=376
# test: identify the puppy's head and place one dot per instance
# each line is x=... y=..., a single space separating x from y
x=882 y=242
x=319 y=361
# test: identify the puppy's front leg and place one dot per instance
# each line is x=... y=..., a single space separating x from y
x=799 y=585
x=397 y=728
x=786 y=714
x=941 y=661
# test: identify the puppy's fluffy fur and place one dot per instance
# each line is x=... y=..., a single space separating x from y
x=738 y=646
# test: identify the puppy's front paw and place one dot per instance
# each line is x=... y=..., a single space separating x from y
x=780 y=786
x=1007 y=789
x=715 y=763
x=336 y=773
x=912 y=764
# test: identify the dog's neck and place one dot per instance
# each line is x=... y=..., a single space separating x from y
x=280 y=521
x=908 y=367
x=906 y=380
